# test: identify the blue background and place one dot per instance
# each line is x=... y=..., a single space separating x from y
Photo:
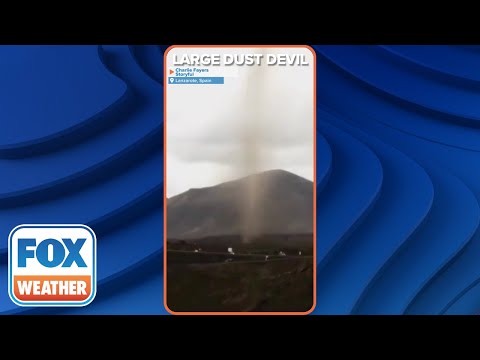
x=398 y=170
x=81 y=141
x=398 y=216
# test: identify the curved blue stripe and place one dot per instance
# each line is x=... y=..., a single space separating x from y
x=369 y=108
x=458 y=104
x=448 y=283
x=467 y=302
x=440 y=160
x=341 y=282
x=452 y=221
x=433 y=271
x=452 y=61
x=98 y=157
x=323 y=162
x=352 y=190
x=150 y=59
x=49 y=91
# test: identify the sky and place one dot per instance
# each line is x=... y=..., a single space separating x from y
x=262 y=118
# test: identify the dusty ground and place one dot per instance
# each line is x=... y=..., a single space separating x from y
x=283 y=284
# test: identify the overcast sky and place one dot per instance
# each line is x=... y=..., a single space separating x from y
x=260 y=119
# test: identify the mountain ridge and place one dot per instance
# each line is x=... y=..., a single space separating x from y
x=268 y=202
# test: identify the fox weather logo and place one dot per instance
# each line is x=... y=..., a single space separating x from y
x=52 y=265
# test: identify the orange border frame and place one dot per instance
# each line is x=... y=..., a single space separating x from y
x=165 y=180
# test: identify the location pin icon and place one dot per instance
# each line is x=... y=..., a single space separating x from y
x=171 y=80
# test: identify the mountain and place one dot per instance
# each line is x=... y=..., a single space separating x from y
x=270 y=202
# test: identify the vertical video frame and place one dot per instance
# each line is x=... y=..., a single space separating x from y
x=239 y=174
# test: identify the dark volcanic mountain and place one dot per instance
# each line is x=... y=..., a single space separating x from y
x=271 y=202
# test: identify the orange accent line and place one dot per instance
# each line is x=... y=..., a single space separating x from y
x=314 y=180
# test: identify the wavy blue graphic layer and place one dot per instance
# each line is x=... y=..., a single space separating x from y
x=398 y=164
x=82 y=142
x=416 y=109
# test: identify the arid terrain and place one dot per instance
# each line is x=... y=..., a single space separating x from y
x=227 y=253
